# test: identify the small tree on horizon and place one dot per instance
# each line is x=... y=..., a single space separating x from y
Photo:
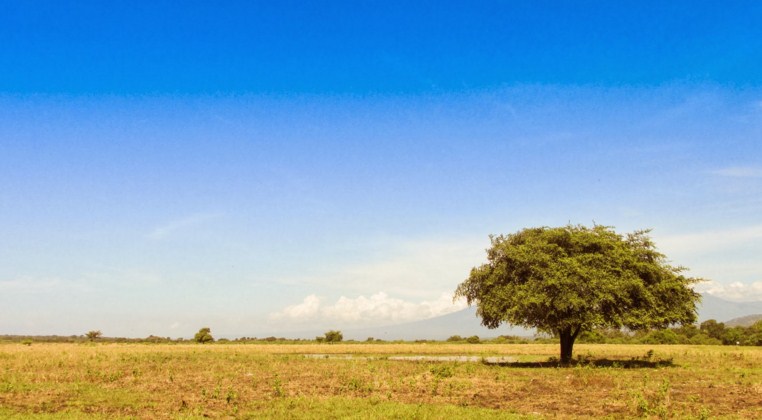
x=333 y=336
x=94 y=335
x=204 y=335
x=566 y=280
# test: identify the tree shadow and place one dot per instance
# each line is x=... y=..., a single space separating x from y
x=591 y=363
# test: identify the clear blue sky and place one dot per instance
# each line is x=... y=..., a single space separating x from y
x=273 y=167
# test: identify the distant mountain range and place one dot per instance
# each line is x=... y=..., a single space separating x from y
x=465 y=323
x=722 y=310
x=744 y=321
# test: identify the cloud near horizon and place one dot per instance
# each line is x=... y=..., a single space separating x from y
x=735 y=291
x=377 y=309
x=739 y=172
x=432 y=264
x=710 y=240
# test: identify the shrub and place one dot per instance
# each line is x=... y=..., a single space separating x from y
x=661 y=337
x=442 y=371
x=702 y=338
x=455 y=338
x=474 y=339
x=593 y=336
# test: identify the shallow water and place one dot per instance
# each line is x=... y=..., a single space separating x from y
x=421 y=358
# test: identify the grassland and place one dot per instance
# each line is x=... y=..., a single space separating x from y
x=359 y=381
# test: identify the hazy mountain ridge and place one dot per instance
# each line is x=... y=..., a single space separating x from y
x=465 y=323
x=744 y=321
x=722 y=310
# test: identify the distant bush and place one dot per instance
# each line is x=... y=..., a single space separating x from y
x=661 y=337
x=474 y=339
x=455 y=338
x=510 y=339
x=156 y=339
x=592 y=337
x=705 y=339
x=333 y=336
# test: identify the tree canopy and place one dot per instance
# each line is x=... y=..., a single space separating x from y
x=204 y=335
x=333 y=336
x=94 y=335
x=565 y=280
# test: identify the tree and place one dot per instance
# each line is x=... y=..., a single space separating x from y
x=754 y=334
x=713 y=328
x=94 y=335
x=204 y=335
x=333 y=336
x=565 y=280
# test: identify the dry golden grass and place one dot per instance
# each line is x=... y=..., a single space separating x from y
x=171 y=381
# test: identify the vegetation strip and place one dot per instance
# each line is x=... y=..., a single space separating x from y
x=277 y=380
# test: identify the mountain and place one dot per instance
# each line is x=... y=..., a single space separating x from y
x=744 y=321
x=464 y=323
x=721 y=310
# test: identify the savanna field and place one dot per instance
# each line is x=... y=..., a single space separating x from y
x=362 y=380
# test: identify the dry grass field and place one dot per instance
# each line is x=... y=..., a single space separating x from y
x=360 y=381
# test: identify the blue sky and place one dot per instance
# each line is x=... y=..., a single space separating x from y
x=269 y=168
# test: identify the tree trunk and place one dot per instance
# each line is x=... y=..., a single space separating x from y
x=567 y=336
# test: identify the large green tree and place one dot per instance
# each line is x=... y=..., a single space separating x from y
x=565 y=280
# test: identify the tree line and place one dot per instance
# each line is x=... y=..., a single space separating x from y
x=709 y=332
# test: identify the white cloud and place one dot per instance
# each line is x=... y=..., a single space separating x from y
x=739 y=172
x=709 y=240
x=733 y=291
x=166 y=229
x=409 y=269
x=303 y=311
x=379 y=308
